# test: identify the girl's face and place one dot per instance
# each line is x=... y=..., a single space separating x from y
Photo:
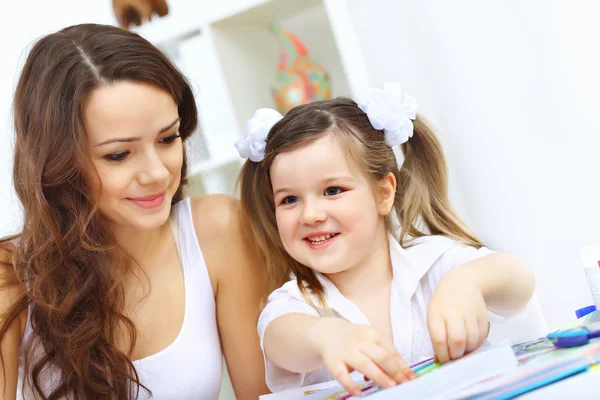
x=328 y=214
x=134 y=144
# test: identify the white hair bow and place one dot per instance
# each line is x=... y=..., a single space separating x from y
x=254 y=142
x=391 y=111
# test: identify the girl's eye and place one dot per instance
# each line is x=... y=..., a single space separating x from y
x=332 y=191
x=170 y=139
x=116 y=157
x=290 y=200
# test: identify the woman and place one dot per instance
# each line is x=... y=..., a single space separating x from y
x=117 y=287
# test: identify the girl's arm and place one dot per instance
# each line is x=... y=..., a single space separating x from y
x=303 y=343
x=505 y=281
x=457 y=316
x=291 y=342
x=239 y=290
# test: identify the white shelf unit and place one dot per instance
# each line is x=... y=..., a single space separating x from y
x=230 y=56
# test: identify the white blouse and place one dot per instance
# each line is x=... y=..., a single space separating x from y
x=416 y=270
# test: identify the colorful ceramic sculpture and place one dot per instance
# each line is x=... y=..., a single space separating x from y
x=300 y=79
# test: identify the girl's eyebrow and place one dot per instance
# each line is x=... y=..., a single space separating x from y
x=137 y=138
x=283 y=189
x=324 y=181
x=342 y=178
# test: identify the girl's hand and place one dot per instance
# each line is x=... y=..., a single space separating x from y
x=345 y=347
x=457 y=317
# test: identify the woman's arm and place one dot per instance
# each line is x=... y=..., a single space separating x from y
x=10 y=343
x=240 y=289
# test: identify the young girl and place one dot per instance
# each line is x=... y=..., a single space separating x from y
x=320 y=190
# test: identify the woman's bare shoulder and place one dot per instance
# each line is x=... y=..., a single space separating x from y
x=215 y=214
x=223 y=236
x=12 y=294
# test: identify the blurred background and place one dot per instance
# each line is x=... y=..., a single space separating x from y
x=511 y=86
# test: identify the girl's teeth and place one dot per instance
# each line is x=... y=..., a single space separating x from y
x=318 y=239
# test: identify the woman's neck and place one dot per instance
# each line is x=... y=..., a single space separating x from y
x=140 y=244
x=369 y=275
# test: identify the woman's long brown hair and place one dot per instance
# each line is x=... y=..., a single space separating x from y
x=64 y=258
x=421 y=201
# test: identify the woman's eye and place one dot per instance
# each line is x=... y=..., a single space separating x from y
x=290 y=200
x=332 y=191
x=116 y=157
x=170 y=139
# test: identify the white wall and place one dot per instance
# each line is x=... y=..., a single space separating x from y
x=511 y=85
x=513 y=88
x=21 y=23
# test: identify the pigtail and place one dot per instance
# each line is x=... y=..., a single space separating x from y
x=258 y=210
x=422 y=194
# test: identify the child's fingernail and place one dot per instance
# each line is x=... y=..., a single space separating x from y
x=390 y=383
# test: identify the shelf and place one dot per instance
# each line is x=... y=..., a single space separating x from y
x=265 y=12
x=230 y=56
x=185 y=16
x=249 y=52
x=179 y=23
x=213 y=177
x=209 y=165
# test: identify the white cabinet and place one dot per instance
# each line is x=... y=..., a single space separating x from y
x=230 y=56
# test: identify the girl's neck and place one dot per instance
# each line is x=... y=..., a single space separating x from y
x=369 y=275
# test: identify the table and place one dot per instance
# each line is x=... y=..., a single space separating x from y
x=581 y=386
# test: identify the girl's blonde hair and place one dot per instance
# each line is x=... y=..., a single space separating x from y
x=421 y=202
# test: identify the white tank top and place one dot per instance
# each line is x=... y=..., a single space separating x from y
x=191 y=367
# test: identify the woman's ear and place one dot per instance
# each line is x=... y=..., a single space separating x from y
x=386 y=193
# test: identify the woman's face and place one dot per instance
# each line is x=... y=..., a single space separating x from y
x=133 y=141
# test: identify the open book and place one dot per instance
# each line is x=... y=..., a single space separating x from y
x=439 y=383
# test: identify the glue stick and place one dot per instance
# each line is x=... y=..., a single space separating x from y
x=591 y=266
